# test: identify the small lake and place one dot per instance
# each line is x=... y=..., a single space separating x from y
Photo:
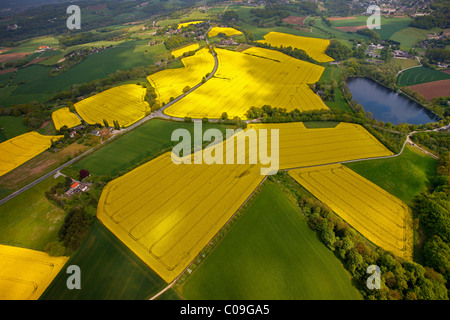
x=387 y=105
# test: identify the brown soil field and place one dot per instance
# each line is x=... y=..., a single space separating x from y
x=430 y=90
x=446 y=71
x=294 y=20
x=13 y=56
x=36 y=167
x=36 y=61
x=97 y=7
x=351 y=29
x=8 y=70
x=341 y=18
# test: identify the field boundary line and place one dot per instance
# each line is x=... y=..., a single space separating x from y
x=420 y=65
x=215 y=245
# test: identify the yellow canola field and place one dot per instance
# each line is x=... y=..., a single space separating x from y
x=302 y=147
x=171 y=82
x=181 y=25
x=254 y=77
x=63 y=117
x=377 y=215
x=124 y=103
x=167 y=213
x=314 y=47
x=179 y=52
x=25 y=273
x=228 y=31
x=20 y=149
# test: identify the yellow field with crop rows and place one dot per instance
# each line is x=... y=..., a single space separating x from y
x=228 y=31
x=314 y=47
x=181 y=25
x=124 y=104
x=302 y=147
x=63 y=117
x=166 y=213
x=377 y=215
x=25 y=273
x=179 y=52
x=20 y=149
x=170 y=83
x=254 y=77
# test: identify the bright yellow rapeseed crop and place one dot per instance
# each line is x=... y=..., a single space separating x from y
x=179 y=52
x=254 y=77
x=63 y=117
x=302 y=147
x=20 y=149
x=314 y=47
x=184 y=24
x=25 y=273
x=228 y=31
x=379 y=216
x=166 y=213
x=170 y=83
x=124 y=104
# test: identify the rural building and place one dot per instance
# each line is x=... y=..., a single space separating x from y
x=402 y=54
x=77 y=187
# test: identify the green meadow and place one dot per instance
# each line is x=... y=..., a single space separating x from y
x=270 y=253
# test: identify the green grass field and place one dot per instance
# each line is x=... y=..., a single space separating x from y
x=389 y=26
x=404 y=176
x=34 y=83
x=30 y=220
x=334 y=73
x=270 y=253
x=109 y=271
x=130 y=149
x=420 y=75
x=11 y=127
x=409 y=36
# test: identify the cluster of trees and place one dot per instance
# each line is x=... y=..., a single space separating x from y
x=338 y=51
x=307 y=8
x=437 y=55
x=33 y=114
x=432 y=207
x=230 y=16
x=326 y=91
x=236 y=121
x=399 y=279
x=373 y=35
x=438 y=17
x=80 y=212
x=175 y=41
x=86 y=37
